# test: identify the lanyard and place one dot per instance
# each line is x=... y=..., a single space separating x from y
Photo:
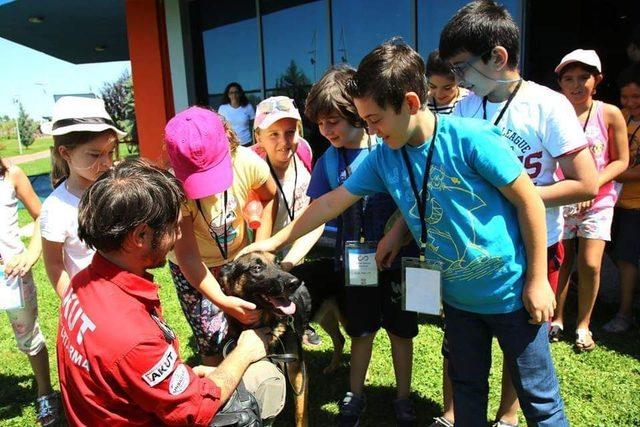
x=634 y=132
x=584 y=128
x=223 y=223
x=504 y=109
x=347 y=170
x=421 y=202
x=291 y=211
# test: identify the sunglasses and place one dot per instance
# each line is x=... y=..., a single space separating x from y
x=276 y=104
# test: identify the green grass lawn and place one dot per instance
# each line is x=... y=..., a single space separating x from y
x=601 y=388
x=9 y=147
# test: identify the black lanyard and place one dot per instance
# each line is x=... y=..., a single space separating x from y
x=634 y=132
x=168 y=333
x=223 y=249
x=504 y=109
x=347 y=170
x=584 y=128
x=291 y=211
x=421 y=202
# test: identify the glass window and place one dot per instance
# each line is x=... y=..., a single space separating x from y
x=361 y=25
x=230 y=42
x=433 y=15
x=294 y=40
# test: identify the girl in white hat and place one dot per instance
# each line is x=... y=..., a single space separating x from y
x=579 y=73
x=85 y=141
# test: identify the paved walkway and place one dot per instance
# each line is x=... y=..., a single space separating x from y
x=24 y=158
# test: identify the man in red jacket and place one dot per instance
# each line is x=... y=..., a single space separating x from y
x=118 y=361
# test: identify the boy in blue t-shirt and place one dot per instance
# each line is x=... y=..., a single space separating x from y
x=365 y=309
x=484 y=229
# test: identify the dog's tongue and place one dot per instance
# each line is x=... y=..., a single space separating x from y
x=283 y=304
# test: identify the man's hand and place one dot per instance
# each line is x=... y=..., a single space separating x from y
x=254 y=342
x=244 y=311
x=267 y=245
x=539 y=300
x=203 y=371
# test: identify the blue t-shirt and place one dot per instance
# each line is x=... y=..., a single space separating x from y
x=377 y=208
x=473 y=235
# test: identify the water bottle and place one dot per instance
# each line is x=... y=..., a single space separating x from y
x=252 y=211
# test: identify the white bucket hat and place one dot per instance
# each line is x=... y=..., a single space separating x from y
x=79 y=114
x=588 y=57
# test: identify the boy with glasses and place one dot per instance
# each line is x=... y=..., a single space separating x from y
x=482 y=42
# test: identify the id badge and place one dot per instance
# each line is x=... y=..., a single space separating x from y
x=421 y=287
x=360 y=264
x=11 y=295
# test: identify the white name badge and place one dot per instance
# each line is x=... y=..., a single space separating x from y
x=11 y=296
x=421 y=287
x=360 y=264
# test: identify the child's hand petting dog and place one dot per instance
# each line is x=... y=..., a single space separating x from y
x=267 y=245
x=242 y=310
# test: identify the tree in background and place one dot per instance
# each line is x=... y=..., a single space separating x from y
x=27 y=127
x=119 y=101
x=293 y=83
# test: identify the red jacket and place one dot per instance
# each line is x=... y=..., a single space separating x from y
x=116 y=365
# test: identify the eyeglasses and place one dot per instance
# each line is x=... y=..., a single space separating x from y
x=234 y=92
x=276 y=103
x=460 y=68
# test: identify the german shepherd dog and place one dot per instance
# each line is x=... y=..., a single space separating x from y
x=286 y=309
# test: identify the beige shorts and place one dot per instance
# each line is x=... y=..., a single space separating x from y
x=266 y=382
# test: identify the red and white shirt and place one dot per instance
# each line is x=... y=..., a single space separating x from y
x=541 y=126
x=116 y=365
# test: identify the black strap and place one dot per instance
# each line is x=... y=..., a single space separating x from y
x=504 y=109
x=168 y=333
x=362 y=203
x=224 y=250
x=586 y=122
x=421 y=199
x=291 y=212
x=82 y=121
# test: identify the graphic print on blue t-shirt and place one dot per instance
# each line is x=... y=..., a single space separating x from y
x=473 y=232
x=456 y=263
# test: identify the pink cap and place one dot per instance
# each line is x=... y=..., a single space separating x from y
x=273 y=109
x=198 y=150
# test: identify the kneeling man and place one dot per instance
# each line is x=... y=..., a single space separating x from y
x=118 y=361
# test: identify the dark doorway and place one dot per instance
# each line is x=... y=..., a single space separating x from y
x=556 y=27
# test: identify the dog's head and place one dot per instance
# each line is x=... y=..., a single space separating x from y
x=256 y=278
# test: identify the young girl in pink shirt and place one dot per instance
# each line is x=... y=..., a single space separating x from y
x=579 y=73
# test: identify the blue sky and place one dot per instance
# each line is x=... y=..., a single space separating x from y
x=35 y=77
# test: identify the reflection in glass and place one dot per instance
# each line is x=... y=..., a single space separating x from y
x=361 y=25
x=433 y=15
x=230 y=45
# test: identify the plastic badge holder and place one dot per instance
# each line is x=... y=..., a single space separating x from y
x=360 y=264
x=421 y=287
x=11 y=295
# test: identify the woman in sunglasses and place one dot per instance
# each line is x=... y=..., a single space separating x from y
x=217 y=175
x=238 y=111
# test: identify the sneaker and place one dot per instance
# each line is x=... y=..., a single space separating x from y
x=351 y=408
x=618 y=324
x=501 y=423
x=49 y=409
x=405 y=415
x=555 y=332
x=311 y=337
x=441 y=422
